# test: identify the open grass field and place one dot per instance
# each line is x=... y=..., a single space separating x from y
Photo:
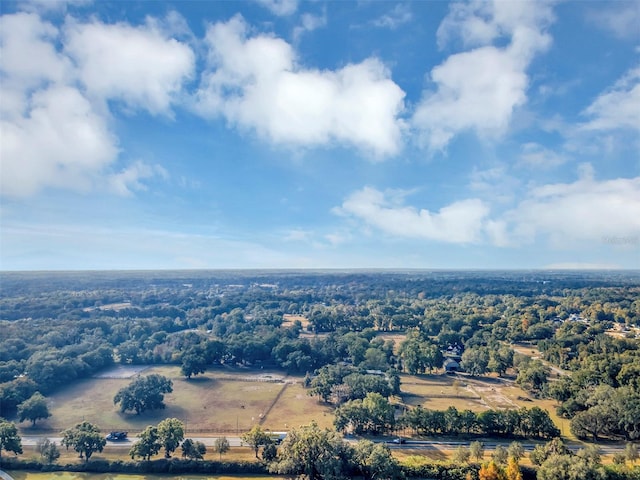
x=222 y=400
x=438 y=392
x=230 y=401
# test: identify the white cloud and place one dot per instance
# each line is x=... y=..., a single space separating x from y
x=618 y=107
x=479 y=90
x=139 y=65
x=54 y=118
x=255 y=83
x=281 y=8
x=29 y=60
x=59 y=142
x=460 y=222
x=400 y=15
x=586 y=210
x=621 y=18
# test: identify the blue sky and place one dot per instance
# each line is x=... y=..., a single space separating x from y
x=288 y=134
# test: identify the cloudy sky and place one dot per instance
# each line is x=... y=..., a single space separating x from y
x=290 y=134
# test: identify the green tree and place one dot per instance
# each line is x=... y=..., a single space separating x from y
x=475 y=360
x=144 y=393
x=85 y=438
x=9 y=438
x=631 y=452
x=516 y=451
x=170 y=433
x=374 y=461
x=500 y=455
x=269 y=452
x=221 y=445
x=194 y=362
x=256 y=438
x=34 y=408
x=477 y=450
x=148 y=444
x=592 y=422
x=48 y=450
x=313 y=453
x=193 y=449
x=461 y=454
x=500 y=360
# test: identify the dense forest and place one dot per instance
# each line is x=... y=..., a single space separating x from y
x=59 y=327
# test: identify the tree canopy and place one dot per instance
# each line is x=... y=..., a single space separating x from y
x=85 y=438
x=144 y=393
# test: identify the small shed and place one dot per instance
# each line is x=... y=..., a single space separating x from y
x=450 y=365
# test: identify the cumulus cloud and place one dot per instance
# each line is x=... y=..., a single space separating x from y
x=460 y=222
x=59 y=142
x=256 y=84
x=139 y=65
x=479 y=89
x=586 y=210
x=54 y=115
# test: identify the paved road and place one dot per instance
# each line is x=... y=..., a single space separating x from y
x=410 y=444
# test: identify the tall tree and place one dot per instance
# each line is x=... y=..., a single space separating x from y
x=144 y=393
x=34 y=408
x=170 y=433
x=221 y=445
x=256 y=438
x=9 y=438
x=374 y=460
x=85 y=438
x=477 y=450
x=48 y=450
x=513 y=470
x=193 y=449
x=313 y=453
x=148 y=444
x=475 y=360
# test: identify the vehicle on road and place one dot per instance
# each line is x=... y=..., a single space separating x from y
x=116 y=436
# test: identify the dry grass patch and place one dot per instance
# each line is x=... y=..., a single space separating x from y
x=295 y=408
x=289 y=319
x=210 y=402
x=438 y=392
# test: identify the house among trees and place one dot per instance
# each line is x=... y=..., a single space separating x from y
x=450 y=365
